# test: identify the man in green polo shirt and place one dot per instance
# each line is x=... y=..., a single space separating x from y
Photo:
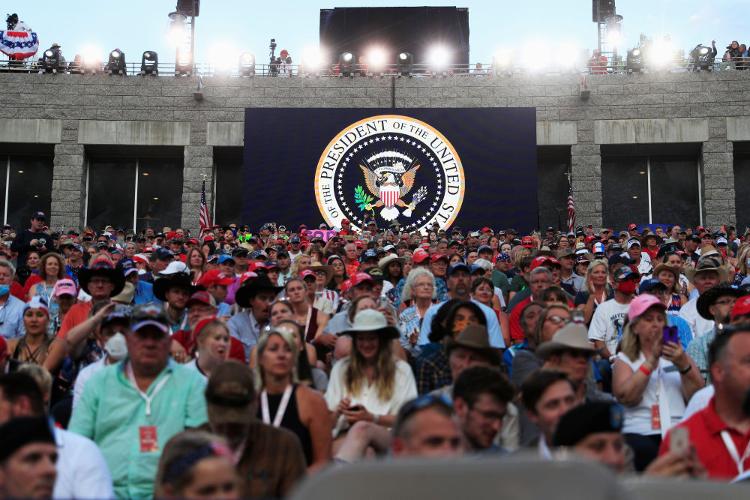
x=132 y=408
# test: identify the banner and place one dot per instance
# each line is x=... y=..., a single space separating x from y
x=410 y=169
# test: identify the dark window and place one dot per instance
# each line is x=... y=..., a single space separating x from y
x=674 y=192
x=111 y=193
x=624 y=192
x=553 y=163
x=159 y=193
x=228 y=177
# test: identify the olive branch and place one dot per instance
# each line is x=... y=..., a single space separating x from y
x=361 y=198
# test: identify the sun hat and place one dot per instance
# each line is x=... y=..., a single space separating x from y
x=372 y=321
x=573 y=336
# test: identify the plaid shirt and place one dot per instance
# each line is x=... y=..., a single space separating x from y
x=433 y=370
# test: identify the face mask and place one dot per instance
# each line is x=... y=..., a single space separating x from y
x=116 y=346
x=4 y=290
x=627 y=287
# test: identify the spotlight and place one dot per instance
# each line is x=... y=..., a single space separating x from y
x=116 y=63
x=501 y=62
x=439 y=59
x=568 y=57
x=52 y=60
x=634 y=62
x=224 y=58
x=377 y=60
x=346 y=64
x=247 y=64
x=184 y=64
x=90 y=60
x=702 y=58
x=150 y=63
x=405 y=64
x=313 y=61
x=661 y=54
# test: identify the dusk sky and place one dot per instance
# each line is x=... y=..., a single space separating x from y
x=235 y=26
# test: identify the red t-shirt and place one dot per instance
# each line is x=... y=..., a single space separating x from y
x=516 y=332
x=704 y=429
x=77 y=314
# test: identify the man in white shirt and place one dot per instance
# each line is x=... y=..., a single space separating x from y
x=81 y=469
x=708 y=273
x=606 y=325
x=640 y=259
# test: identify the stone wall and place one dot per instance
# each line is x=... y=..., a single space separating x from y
x=73 y=111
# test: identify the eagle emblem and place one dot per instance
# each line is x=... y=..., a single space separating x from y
x=390 y=176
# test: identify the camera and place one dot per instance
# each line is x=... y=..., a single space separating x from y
x=41 y=242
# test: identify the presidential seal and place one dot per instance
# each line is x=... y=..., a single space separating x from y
x=394 y=169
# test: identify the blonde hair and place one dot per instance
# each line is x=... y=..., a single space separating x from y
x=41 y=376
x=385 y=370
x=742 y=255
x=288 y=336
x=590 y=271
x=630 y=345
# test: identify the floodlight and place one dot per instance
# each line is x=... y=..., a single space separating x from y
x=346 y=64
x=661 y=54
x=405 y=64
x=184 y=64
x=116 y=64
x=51 y=61
x=313 y=61
x=501 y=62
x=90 y=60
x=247 y=64
x=377 y=59
x=150 y=63
x=634 y=62
x=439 y=58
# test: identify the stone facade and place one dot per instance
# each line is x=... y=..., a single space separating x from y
x=73 y=112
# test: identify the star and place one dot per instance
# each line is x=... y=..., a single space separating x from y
x=434 y=164
x=377 y=139
x=390 y=137
x=401 y=139
x=371 y=141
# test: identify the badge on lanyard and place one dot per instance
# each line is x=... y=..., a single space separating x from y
x=148 y=438
x=655 y=418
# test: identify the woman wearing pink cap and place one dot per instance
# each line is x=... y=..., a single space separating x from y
x=653 y=378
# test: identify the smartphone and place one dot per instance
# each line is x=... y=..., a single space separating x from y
x=355 y=408
x=679 y=441
x=669 y=334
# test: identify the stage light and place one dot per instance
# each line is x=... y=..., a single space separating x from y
x=346 y=64
x=702 y=58
x=532 y=60
x=52 y=60
x=116 y=64
x=568 y=57
x=90 y=60
x=501 y=62
x=405 y=64
x=247 y=64
x=184 y=64
x=223 y=58
x=376 y=59
x=439 y=58
x=634 y=61
x=660 y=54
x=150 y=63
x=313 y=61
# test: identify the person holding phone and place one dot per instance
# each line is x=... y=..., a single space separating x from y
x=653 y=378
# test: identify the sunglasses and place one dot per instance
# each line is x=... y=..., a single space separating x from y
x=422 y=402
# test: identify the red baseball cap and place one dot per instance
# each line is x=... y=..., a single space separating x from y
x=741 y=308
x=439 y=256
x=360 y=278
x=527 y=242
x=200 y=325
x=485 y=229
x=215 y=277
x=359 y=244
x=543 y=260
x=632 y=227
x=202 y=297
x=246 y=276
x=304 y=274
x=420 y=255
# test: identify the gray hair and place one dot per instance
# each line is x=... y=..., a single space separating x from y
x=415 y=273
x=541 y=270
x=9 y=265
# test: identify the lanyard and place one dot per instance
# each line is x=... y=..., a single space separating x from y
x=145 y=396
x=732 y=450
x=280 y=411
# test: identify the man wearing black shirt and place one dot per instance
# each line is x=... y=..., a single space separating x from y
x=31 y=239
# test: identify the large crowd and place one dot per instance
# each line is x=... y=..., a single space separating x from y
x=236 y=363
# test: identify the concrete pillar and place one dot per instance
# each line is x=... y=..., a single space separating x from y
x=68 y=186
x=718 y=176
x=199 y=161
x=586 y=167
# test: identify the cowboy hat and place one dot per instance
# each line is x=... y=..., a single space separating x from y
x=324 y=268
x=710 y=296
x=102 y=266
x=252 y=287
x=666 y=267
x=476 y=338
x=573 y=336
x=177 y=280
x=392 y=257
x=372 y=321
x=706 y=264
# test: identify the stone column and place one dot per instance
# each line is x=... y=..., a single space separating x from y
x=199 y=161
x=586 y=167
x=718 y=176
x=68 y=180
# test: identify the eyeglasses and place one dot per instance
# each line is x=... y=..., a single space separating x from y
x=558 y=320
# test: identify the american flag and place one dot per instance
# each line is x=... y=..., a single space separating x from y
x=204 y=217
x=571 y=210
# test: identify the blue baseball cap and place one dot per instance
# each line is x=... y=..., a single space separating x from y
x=458 y=266
x=224 y=258
x=651 y=285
